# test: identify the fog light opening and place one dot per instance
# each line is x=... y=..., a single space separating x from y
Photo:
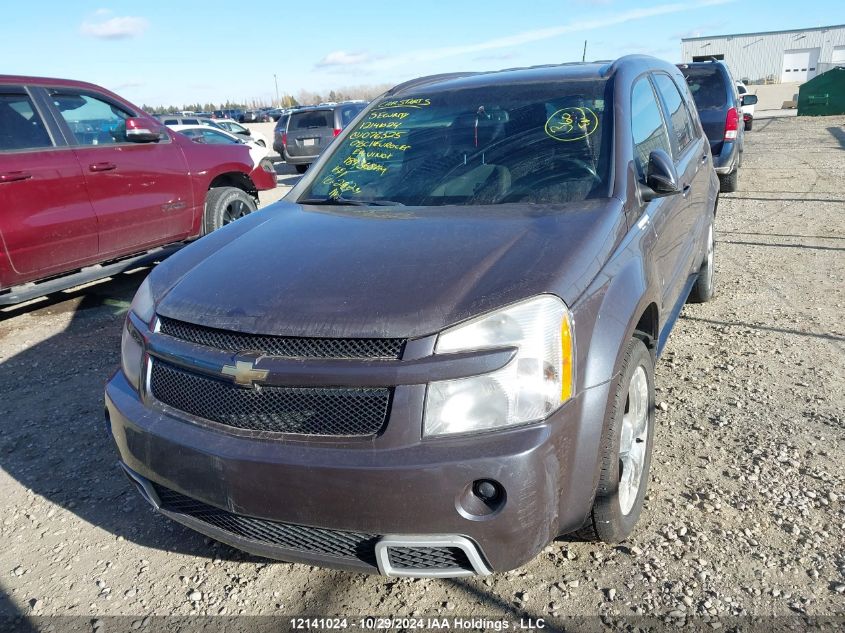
x=481 y=499
x=486 y=490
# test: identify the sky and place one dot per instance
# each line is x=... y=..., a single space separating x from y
x=161 y=52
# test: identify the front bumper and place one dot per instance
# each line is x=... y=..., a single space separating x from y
x=263 y=180
x=399 y=492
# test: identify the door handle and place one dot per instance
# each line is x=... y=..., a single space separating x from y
x=12 y=176
x=102 y=166
x=704 y=158
x=685 y=191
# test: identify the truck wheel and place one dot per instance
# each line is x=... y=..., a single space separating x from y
x=300 y=169
x=626 y=449
x=728 y=183
x=224 y=205
x=704 y=288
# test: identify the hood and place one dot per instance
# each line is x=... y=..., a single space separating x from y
x=382 y=272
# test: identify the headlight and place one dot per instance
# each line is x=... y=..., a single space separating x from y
x=142 y=304
x=532 y=385
x=131 y=343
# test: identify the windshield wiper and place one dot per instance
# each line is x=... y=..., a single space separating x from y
x=352 y=203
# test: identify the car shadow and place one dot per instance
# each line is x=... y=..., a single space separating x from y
x=53 y=437
x=839 y=134
x=11 y=618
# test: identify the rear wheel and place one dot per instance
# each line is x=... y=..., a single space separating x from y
x=704 y=287
x=300 y=169
x=224 y=205
x=626 y=449
x=728 y=183
x=748 y=124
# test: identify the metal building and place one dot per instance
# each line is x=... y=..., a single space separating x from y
x=772 y=57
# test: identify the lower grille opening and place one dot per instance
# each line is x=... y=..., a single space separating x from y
x=349 y=546
x=424 y=558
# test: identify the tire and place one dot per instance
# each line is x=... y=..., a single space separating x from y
x=704 y=287
x=224 y=205
x=748 y=125
x=616 y=508
x=301 y=169
x=728 y=183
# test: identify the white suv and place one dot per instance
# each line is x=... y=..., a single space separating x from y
x=747 y=110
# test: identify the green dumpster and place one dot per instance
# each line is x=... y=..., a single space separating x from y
x=824 y=94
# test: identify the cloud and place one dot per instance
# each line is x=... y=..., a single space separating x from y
x=116 y=28
x=495 y=57
x=343 y=58
x=528 y=37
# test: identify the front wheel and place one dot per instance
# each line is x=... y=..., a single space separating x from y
x=224 y=205
x=626 y=449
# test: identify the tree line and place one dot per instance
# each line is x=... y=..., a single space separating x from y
x=302 y=98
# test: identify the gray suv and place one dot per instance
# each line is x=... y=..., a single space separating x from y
x=310 y=130
x=441 y=353
x=719 y=107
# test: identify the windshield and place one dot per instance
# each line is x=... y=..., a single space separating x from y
x=531 y=142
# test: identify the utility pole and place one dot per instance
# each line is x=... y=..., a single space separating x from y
x=276 y=81
x=584 y=55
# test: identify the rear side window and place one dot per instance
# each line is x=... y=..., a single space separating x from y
x=20 y=125
x=647 y=125
x=707 y=86
x=347 y=113
x=309 y=120
x=93 y=121
x=678 y=114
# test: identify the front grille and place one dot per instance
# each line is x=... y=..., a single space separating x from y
x=284 y=346
x=304 y=410
x=351 y=546
x=428 y=558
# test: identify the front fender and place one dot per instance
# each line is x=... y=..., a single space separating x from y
x=608 y=312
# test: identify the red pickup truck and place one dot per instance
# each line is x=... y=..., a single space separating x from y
x=90 y=185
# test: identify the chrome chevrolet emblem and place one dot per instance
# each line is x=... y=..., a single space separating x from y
x=245 y=373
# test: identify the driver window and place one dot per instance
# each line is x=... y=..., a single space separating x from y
x=92 y=121
x=647 y=125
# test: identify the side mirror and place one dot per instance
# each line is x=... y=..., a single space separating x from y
x=140 y=130
x=748 y=99
x=661 y=178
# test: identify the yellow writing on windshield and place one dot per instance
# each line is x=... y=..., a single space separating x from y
x=378 y=138
x=404 y=103
x=572 y=124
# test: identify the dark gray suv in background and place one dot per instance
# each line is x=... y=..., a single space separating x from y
x=309 y=130
x=719 y=107
x=437 y=353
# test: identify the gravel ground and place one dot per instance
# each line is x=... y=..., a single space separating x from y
x=746 y=510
